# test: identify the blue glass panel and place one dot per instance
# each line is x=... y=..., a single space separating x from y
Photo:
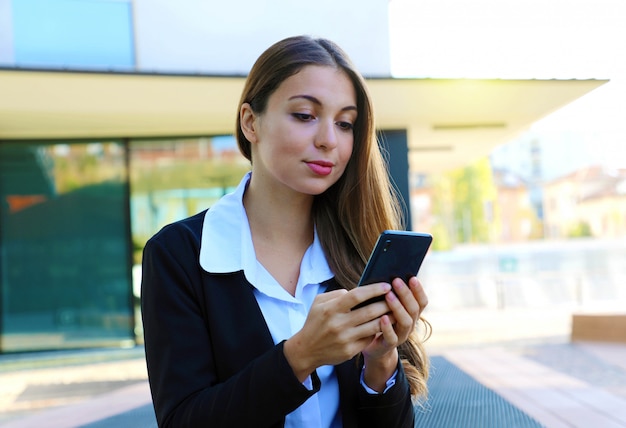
x=73 y=33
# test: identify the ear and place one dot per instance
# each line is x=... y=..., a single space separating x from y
x=248 y=120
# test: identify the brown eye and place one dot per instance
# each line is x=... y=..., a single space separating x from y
x=346 y=126
x=304 y=117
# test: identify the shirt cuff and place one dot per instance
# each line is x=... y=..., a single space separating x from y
x=312 y=382
x=391 y=382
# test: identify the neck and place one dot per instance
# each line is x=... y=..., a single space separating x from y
x=281 y=225
x=279 y=218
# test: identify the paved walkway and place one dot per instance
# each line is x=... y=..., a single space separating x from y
x=70 y=388
x=552 y=393
x=553 y=381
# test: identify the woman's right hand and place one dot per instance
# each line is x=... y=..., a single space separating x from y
x=333 y=332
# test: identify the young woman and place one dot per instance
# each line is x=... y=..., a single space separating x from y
x=247 y=307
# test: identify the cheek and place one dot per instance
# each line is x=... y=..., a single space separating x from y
x=278 y=142
x=346 y=149
x=286 y=139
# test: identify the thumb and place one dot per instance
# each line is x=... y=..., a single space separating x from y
x=330 y=295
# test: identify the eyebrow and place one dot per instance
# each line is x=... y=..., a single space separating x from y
x=318 y=102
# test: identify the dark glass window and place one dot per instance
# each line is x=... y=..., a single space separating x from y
x=64 y=247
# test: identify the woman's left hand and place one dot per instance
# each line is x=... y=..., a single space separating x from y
x=406 y=303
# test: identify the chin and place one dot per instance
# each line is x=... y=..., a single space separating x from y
x=316 y=186
x=313 y=190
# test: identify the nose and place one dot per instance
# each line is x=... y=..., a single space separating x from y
x=326 y=137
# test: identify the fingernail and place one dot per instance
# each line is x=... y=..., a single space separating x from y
x=392 y=296
x=386 y=287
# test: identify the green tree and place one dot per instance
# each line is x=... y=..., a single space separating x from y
x=581 y=229
x=464 y=204
x=442 y=206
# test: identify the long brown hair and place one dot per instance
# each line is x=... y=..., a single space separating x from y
x=350 y=215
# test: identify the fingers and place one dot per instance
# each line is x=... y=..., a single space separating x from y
x=362 y=294
x=330 y=295
x=406 y=301
x=388 y=332
x=405 y=298
x=335 y=331
x=418 y=292
x=411 y=295
x=404 y=304
x=332 y=311
x=403 y=316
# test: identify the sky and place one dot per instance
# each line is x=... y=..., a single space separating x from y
x=523 y=39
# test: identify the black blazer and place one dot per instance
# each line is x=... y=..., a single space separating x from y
x=211 y=358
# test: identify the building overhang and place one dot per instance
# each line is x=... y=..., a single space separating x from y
x=449 y=121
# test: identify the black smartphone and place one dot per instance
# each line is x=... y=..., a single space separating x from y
x=397 y=254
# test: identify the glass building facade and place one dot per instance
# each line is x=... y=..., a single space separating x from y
x=65 y=251
x=75 y=217
x=64 y=248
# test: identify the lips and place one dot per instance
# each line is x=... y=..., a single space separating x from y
x=320 y=167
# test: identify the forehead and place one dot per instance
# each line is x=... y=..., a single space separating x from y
x=330 y=85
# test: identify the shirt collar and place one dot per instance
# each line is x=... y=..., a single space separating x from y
x=226 y=243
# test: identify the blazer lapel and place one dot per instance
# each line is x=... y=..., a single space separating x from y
x=238 y=330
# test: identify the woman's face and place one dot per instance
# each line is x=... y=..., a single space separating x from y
x=303 y=140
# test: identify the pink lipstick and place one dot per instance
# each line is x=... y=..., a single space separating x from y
x=320 y=167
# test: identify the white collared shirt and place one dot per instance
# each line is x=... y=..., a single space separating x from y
x=227 y=247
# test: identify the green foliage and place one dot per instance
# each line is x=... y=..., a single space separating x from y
x=186 y=174
x=464 y=204
x=442 y=237
x=582 y=229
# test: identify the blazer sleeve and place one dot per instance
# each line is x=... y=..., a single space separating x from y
x=391 y=409
x=180 y=358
